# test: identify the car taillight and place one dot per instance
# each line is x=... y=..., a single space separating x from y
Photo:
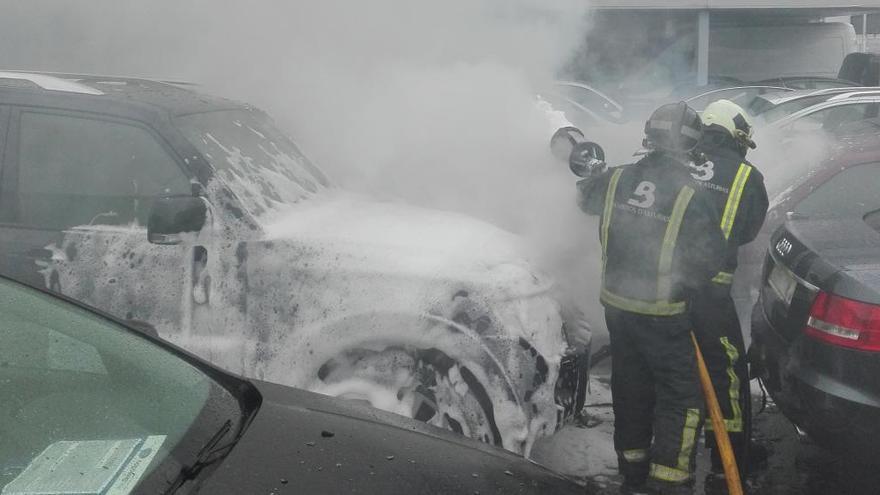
x=844 y=322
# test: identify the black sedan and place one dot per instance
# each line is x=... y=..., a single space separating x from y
x=89 y=405
x=816 y=330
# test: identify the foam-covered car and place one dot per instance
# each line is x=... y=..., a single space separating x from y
x=195 y=215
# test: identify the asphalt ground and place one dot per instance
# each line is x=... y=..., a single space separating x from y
x=795 y=465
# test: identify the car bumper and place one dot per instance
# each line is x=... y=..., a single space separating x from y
x=827 y=391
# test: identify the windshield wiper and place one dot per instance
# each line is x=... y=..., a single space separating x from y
x=209 y=454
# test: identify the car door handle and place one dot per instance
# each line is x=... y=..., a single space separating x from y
x=38 y=253
x=201 y=280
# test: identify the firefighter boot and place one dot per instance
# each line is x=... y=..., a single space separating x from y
x=635 y=475
x=661 y=487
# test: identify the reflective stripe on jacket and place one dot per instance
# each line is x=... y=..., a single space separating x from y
x=736 y=189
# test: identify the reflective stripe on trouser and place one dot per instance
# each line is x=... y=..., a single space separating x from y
x=635 y=455
x=734 y=421
x=684 y=466
x=633 y=465
x=718 y=332
x=655 y=391
x=723 y=278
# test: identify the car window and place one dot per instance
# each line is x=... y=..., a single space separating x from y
x=744 y=97
x=836 y=119
x=85 y=406
x=82 y=171
x=789 y=107
x=851 y=192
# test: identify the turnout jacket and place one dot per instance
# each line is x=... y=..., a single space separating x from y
x=659 y=239
x=736 y=190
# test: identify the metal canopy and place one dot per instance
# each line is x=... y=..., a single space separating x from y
x=799 y=8
x=743 y=12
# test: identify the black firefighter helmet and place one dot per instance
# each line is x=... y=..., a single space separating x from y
x=675 y=127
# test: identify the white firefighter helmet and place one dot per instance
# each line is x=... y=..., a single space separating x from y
x=732 y=118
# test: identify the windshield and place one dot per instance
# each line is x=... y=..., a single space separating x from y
x=262 y=166
x=86 y=407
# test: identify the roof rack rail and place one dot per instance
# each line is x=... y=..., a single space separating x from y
x=51 y=82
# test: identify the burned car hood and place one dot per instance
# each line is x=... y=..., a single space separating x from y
x=300 y=442
x=398 y=239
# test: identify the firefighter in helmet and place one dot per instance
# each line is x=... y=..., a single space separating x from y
x=736 y=188
x=661 y=243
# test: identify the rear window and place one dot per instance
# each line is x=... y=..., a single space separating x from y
x=852 y=192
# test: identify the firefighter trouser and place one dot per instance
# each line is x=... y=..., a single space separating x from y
x=717 y=328
x=656 y=395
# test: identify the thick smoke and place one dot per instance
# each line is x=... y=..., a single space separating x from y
x=430 y=102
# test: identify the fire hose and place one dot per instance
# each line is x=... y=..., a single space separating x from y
x=731 y=473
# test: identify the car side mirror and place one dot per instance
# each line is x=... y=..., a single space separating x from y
x=173 y=216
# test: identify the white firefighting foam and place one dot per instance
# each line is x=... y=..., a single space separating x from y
x=357 y=284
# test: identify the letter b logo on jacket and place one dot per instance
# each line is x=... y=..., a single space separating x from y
x=645 y=191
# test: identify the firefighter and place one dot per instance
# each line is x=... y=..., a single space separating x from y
x=660 y=243
x=736 y=188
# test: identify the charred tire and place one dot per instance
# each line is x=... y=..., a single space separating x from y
x=433 y=394
x=447 y=367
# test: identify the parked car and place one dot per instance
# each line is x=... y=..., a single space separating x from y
x=775 y=106
x=840 y=115
x=744 y=96
x=816 y=326
x=839 y=180
x=91 y=406
x=592 y=100
x=809 y=82
x=198 y=216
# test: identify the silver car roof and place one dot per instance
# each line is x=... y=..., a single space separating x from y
x=840 y=102
x=780 y=98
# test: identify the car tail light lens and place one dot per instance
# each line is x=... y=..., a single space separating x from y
x=844 y=322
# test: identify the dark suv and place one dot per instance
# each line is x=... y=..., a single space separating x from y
x=195 y=215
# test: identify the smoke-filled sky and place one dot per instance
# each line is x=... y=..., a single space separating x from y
x=425 y=100
x=428 y=101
